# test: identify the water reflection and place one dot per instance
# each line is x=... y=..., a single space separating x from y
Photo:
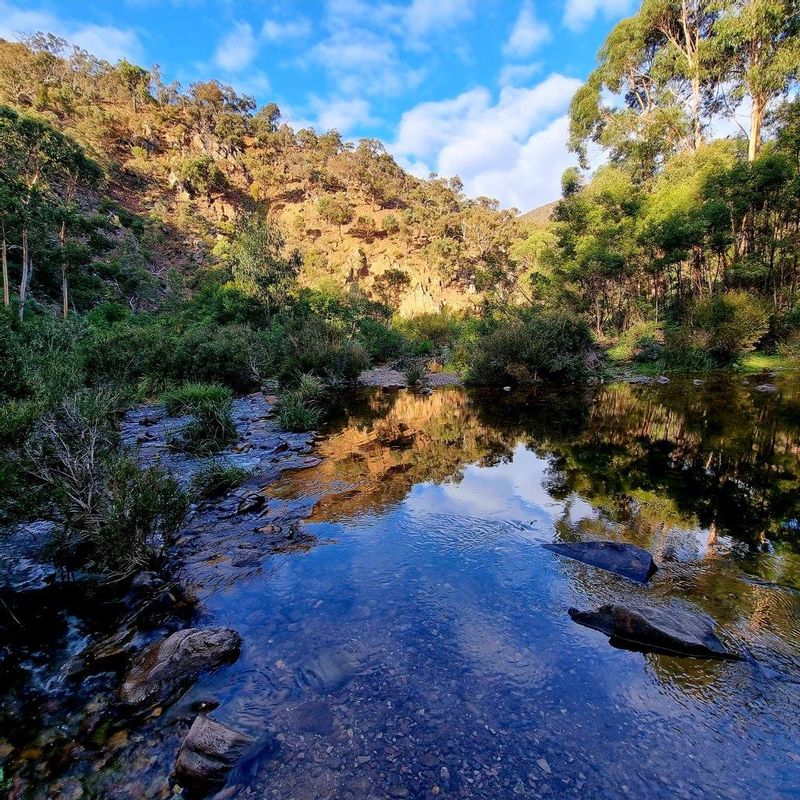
x=425 y=651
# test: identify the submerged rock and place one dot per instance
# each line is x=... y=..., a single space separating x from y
x=165 y=668
x=673 y=630
x=623 y=559
x=208 y=752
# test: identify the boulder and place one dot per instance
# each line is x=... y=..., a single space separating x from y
x=167 y=667
x=208 y=752
x=627 y=560
x=671 y=629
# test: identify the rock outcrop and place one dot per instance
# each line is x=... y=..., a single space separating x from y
x=208 y=752
x=165 y=668
x=673 y=629
x=627 y=560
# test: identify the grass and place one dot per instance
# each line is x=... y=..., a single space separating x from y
x=217 y=478
x=186 y=399
x=296 y=414
x=209 y=405
x=763 y=362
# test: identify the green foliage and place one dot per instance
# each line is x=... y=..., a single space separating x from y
x=201 y=175
x=642 y=342
x=186 y=399
x=531 y=346
x=296 y=414
x=311 y=388
x=381 y=342
x=209 y=405
x=728 y=325
x=415 y=374
x=141 y=512
x=259 y=265
x=217 y=478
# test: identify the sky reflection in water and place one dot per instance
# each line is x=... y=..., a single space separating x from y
x=423 y=648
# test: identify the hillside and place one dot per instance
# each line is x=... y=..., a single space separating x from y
x=190 y=165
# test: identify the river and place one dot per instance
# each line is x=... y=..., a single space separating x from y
x=418 y=644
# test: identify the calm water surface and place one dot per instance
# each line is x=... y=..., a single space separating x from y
x=422 y=647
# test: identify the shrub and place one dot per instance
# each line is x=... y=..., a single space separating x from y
x=440 y=329
x=728 y=325
x=311 y=389
x=296 y=414
x=531 y=346
x=381 y=342
x=12 y=359
x=142 y=509
x=311 y=345
x=201 y=175
x=188 y=398
x=415 y=374
x=217 y=478
x=641 y=342
x=209 y=405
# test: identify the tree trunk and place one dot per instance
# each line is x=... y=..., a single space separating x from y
x=23 y=283
x=756 y=121
x=6 y=298
x=698 y=127
x=64 y=283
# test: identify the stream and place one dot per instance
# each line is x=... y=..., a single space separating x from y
x=405 y=634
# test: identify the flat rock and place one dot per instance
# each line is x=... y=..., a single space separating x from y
x=627 y=560
x=767 y=388
x=672 y=629
x=166 y=667
x=208 y=752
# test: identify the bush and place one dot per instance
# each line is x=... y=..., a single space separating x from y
x=217 y=478
x=311 y=345
x=381 y=342
x=440 y=329
x=142 y=510
x=415 y=374
x=311 y=389
x=188 y=398
x=728 y=325
x=296 y=414
x=532 y=346
x=209 y=405
x=642 y=342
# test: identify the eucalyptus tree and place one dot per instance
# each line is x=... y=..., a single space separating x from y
x=757 y=48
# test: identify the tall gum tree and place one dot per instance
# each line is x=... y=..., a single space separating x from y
x=757 y=47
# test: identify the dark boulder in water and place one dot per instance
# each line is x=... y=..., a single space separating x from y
x=208 y=752
x=673 y=629
x=627 y=560
x=167 y=667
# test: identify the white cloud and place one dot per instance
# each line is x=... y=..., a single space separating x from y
x=513 y=149
x=103 y=41
x=579 y=13
x=274 y=31
x=515 y=74
x=237 y=49
x=424 y=16
x=528 y=33
x=342 y=115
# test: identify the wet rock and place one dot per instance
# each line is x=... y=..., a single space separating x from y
x=254 y=502
x=672 y=629
x=767 y=388
x=697 y=382
x=167 y=667
x=208 y=752
x=662 y=379
x=627 y=560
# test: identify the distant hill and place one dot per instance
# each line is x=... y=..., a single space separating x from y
x=540 y=215
x=192 y=163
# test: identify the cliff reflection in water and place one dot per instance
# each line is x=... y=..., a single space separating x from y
x=721 y=460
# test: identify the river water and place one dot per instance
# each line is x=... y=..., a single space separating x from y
x=419 y=645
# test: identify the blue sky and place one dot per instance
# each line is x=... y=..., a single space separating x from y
x=477 y=88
